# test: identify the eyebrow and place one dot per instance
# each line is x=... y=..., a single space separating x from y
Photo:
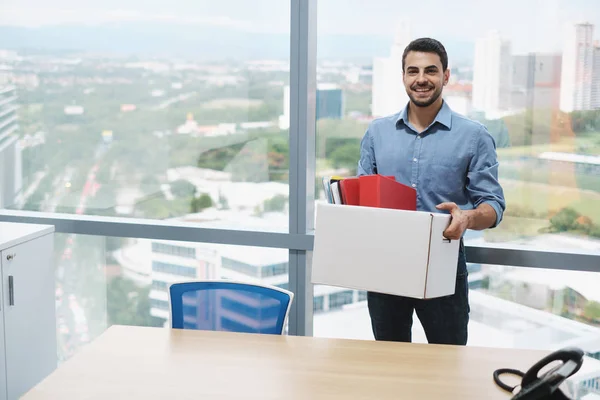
x=433 y=66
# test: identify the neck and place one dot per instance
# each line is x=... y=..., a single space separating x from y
x=422 y=117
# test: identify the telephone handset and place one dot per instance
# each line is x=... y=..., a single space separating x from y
x=545 y=386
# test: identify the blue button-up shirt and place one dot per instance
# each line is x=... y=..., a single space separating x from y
x=453 y=159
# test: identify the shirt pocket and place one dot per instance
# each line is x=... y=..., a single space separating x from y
x=446 y=178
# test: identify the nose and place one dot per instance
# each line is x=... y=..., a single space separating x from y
x=421 y=79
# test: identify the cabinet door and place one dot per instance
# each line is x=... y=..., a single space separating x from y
x=3 y=390
x=29 y=314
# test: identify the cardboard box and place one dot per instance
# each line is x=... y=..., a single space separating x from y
x=384 y=250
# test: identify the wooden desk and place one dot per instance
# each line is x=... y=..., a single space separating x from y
x=159 y=363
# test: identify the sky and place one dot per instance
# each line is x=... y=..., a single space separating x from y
x=530 y=25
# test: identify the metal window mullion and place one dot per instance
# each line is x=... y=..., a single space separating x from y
x=573 y=260
x=303 y=55
x=157 y=230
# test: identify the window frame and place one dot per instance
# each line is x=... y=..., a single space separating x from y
x=299 y=239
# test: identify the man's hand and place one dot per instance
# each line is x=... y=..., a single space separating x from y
x=459 y=222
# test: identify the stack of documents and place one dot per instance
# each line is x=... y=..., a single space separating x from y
x=370 y=191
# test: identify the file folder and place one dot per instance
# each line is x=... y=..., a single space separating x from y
x=384 y=192
x=350 y=189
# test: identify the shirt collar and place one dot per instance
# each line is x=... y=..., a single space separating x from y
x=444 y=116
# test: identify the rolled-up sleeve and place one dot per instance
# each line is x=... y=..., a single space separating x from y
x=366 y=164
x=482 y=184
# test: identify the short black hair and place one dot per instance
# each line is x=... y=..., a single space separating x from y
x=427 y=45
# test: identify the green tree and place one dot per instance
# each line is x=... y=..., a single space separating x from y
x=595 y=231
x=564 y=220
x=128 y=304
x=157 y=207
x=346 y=156
x=585 y=121
x=200 y=203
x=276 y=203
x=592 y=310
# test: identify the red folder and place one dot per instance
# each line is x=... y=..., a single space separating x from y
x=350 y=189
x=384 y=192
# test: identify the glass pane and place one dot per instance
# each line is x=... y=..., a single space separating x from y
x=154 y=112
x=510 y=307
x=534 y=83
x=101 y=281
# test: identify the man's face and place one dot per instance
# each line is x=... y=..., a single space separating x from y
x=424 y=77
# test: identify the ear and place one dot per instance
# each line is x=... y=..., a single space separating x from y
x=446 y=76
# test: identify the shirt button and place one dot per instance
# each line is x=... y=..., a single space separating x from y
x=414 y=185
x=418 y=136
x=414 y=159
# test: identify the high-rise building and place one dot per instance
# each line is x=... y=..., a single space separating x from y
x=388 y=92
x=577 y=68
x=10 y=153
x=536 y=81
x=492 y=74
x=330 y=104
x=596 y=77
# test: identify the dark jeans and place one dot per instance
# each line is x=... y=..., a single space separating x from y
x=444 y=319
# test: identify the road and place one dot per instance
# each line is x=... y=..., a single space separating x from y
x=72 y=321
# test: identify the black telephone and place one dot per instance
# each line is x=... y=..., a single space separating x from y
x=545 y=386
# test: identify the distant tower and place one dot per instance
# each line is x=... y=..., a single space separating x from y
x=577 y=68
x=388 y=93
x=492 y=74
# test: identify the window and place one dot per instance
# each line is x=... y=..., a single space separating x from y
x=160 y=285
x=536 y=96
x=196 y=130
x=274 y=270
x=318 y=304
x=510 y=307
x=101 y=281
x=159 y=304
x=543 y=116
x=156 y=112
x=163 y=248
x=339 y=299
x=362 y=295
x=242 y=268
x=174 y=269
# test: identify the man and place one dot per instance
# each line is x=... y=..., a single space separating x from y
x=451 y=162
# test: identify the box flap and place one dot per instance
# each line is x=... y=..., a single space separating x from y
x=443 y=259
x=380 y=250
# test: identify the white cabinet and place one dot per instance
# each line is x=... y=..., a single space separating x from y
x=27 y=307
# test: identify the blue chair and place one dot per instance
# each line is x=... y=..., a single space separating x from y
x=224 y=305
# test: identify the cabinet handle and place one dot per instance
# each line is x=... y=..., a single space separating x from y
x=10 y=257
x=11 y=291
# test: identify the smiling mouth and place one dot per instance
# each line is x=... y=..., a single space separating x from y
x=422 y=90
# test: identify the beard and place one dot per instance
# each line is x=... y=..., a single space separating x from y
x=425 y=102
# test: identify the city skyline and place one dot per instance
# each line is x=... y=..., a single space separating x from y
x=533 y=26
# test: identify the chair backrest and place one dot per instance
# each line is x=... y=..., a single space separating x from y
x=223 y=305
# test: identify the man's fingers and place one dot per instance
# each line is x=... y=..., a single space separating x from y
x=444 y=206
x=448 y=206
x=451 y=234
